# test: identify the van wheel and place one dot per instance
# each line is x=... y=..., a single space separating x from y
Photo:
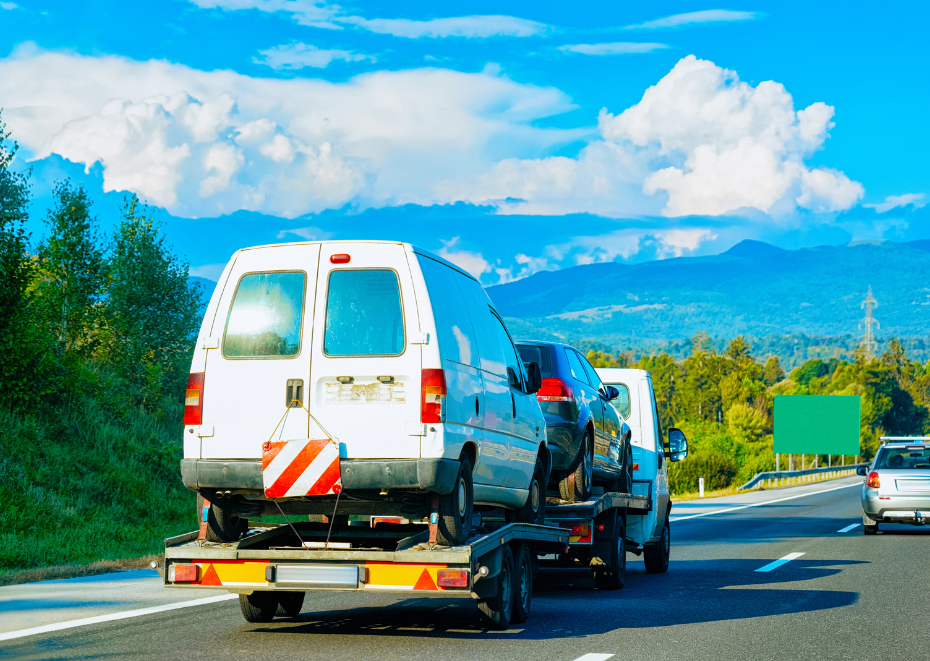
x=576 y=485
x=455 y=509
x=612 y=574
x=870 y=530
x=290 y=603
x=534 y=510
x=495 y=613
x=223 y=524
x=656 y=555
x=258 y=606
x=522 y=585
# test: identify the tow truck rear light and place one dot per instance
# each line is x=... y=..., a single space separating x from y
x=433 y=386
x=452 y=578
x=554 y=390
x=193 y=399
x=182 y=573
x=873 y=481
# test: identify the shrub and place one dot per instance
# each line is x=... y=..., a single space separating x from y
x=717 y=469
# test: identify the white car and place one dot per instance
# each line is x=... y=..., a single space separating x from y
x=394 y=354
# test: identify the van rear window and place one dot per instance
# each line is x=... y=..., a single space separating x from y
x=265 y=316
x=363 y=314
x=536 y=353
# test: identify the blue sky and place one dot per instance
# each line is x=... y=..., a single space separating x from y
x=510 y=137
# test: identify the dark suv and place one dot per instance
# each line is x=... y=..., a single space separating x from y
x=588 y=440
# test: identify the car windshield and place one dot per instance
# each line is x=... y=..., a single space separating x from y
x=904 y=458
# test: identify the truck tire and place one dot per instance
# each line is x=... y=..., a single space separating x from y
x=223 y=524
x=656 y=555
x=456 y=508
x=496 y=612
x=612 y=574
x=290 y=603
x=534 y=510
x=522 y=584
x=870 y=530
x=258 y=606
x=576 y=485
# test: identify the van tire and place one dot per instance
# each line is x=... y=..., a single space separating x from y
x=258 y=606
x=290 y=604
x=223 y=524
x=534 y=509
x=575 y=486
x=612 y=574
x=656 y=556
x=456 y=508
x=496 y=612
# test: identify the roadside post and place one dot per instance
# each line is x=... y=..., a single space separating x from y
x=701 y=485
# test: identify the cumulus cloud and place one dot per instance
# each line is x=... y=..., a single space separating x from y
x=298 y=56
x=614 y=48
x=473 y=262
x=896 y=201
x=696 y=17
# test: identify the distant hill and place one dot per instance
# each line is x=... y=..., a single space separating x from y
x=754 y=289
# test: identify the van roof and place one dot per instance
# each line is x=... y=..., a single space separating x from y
x=408 y=246
x=619 y=372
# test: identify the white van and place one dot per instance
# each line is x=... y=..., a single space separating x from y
x=399 y=356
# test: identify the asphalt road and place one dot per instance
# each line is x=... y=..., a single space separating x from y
x=847 y=596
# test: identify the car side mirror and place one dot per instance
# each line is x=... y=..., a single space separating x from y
x=862 y=470
x=677 y=445
x=533 y=377
x=612 y=393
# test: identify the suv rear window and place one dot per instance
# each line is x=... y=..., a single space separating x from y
x=363 y=314
x=535 y=353
x=903 y=458
x=265 y=316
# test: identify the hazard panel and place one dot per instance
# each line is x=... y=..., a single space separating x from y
x=304 y=467
x=399 y=576
x=231 y=573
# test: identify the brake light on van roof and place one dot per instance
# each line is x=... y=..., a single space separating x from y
x=341 y=258
x=554 y=390
x=193 y=399
x=873 y=482
x=433 y=387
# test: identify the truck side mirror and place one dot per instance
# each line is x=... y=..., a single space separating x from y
x=612 y=393
x=677 y=445
x=533 y=377
x=862 y=470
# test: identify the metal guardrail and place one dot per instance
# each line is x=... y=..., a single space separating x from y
x=779 y=475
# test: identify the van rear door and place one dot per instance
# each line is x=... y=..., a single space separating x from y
x=366 y=364
x=260 y=355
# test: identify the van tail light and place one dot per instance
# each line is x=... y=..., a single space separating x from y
x=873 y=481
x=433 y=386
x=554 y=390
x=452 y=578
x=193 y=399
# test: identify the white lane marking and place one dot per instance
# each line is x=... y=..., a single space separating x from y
x=849 y=527
x=765 y=502
x=70 y=624
x=780 y=562
x=595 y=657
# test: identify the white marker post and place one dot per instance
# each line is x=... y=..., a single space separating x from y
x=701 y=486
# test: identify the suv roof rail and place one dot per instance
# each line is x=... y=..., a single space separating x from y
x=903 y=439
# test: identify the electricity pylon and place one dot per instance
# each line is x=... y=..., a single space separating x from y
x=868 y=341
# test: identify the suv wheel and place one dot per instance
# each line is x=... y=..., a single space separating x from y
x=576 y=485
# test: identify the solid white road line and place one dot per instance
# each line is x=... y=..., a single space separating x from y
x=595 y=657
x=780 y=562
x=70 y=624
x=765 y=502
x=849 y=527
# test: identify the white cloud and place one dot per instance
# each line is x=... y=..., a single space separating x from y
x=690 y=18
x=8 y=5
x=459 y=26
x=615 y=48
x=305 y=12
x=222 y=160
x=298 y=56
x=208 y=271
x=895 y=201
x=306 y=233
x=473 y=262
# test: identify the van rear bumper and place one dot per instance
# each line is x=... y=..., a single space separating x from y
x=436 y=475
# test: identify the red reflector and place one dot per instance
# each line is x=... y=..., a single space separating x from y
x=554 y=390
x=340 y=259
x=433 y=387
x=600 y=527
x=185 y=573
x=636 y=467
x=193 y=399
x=452 y=578
x=873 y=481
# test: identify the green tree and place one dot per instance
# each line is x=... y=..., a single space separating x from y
x=772 y=373
x=745 y=423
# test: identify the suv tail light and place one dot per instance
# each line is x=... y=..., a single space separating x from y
x=193 y=399
x=554 y=390
x=433 y=386
x=873 y=480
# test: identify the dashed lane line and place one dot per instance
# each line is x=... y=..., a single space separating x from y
x=595 y=657
x=852 y=526
x=83 y=622
x=765 y=502
x=780 y=562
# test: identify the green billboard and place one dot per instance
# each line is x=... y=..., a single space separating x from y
x=817 y=424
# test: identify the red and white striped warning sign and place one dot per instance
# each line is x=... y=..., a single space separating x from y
x=303 y=467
